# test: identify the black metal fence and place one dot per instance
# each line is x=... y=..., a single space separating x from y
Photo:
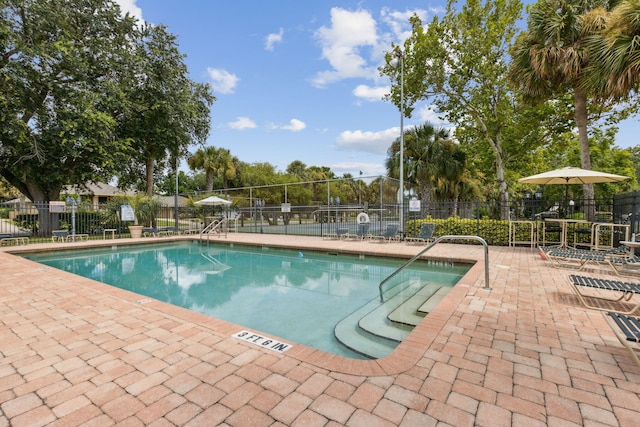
x=482 y=218
x=626 y=208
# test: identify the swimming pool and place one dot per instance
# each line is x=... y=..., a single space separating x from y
x=299 y=297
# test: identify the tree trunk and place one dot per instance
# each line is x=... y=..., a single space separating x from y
x=149 y=162
x=209 y=180
x=503 y=188
x=426 y=196
x=47 y=222
x=580 y=104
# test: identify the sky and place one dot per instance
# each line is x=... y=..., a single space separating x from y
x=299 y=80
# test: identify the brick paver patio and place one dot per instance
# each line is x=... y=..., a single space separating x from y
x=74 y=352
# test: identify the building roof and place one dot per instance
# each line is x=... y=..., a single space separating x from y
x=97 y=189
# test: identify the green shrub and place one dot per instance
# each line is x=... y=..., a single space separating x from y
x=494 y=232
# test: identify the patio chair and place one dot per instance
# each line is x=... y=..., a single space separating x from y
x=425 y=236
x=627 y=330
x=576 y=258
x=625 y=265
x=389 y=235
x=623 y=291
x=361 y=232
x=149 y=231
x=582 y=258
x=59 y=235
x=341 y=233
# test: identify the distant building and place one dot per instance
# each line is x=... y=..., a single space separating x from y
x=97 y=194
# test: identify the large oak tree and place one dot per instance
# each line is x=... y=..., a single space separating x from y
x=60 y=64
x=86 y=94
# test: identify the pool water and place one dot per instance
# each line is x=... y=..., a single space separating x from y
x=297 y=296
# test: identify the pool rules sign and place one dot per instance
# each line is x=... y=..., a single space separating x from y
x=262 y=341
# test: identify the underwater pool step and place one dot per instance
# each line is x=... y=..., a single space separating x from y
x=434 y=300
x=377 y=321
x=353 y=337
x=377 y=328
x=414 y=309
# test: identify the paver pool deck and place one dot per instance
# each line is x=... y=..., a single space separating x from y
x=74 y=352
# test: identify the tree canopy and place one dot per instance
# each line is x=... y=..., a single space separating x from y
x=166 y=111
x=60 y=67
x=87 y=94
x=459 y=63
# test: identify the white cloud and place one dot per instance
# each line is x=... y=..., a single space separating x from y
x=343 y=43
x=354 y=168
x=294 y=125
x=272 y=39
x=129 y=6
x=399 y=22
x=371 y=94
x=367 y=141
x=354 y=43
x=222 y=81
x=428 y=114
x=242 y=123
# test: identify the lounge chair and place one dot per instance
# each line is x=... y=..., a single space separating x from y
x=625 y=266
x=65 y=236
x=576 y=258
x=341 y=233
x=149 y=231
x=623 y=291
x=59 y=235
x=361 y=232
x=390 y=234
x=167 y=231
x=10 y=240
x=627 y=330
x=583 y=258
x=425 y=236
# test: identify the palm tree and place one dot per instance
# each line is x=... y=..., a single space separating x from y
x=225 y=166
x=204 y=159
x=431 y=159
x=615 y=69
x=216 y=162
x=550 y=59
x=298 y=169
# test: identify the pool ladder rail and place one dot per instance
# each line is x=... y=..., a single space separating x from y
x=432 y=244
x=217 y=228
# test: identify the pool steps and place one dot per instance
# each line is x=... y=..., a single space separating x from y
x=375 y=329
x=352 y=336
x=409 y=312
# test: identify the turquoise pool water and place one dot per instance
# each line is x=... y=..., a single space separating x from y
x=299 y=297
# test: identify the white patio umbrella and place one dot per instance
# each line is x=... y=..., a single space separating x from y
x=572 y=175
x=213 y=201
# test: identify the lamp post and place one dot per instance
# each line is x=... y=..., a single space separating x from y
x=260 y=204
x=399 y=60
x=175 y=200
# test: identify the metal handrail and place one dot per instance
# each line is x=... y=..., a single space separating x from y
x=217 y=224
x=432 y=244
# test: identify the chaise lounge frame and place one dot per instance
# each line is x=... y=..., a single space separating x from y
x=626 y=291
x=627 y=330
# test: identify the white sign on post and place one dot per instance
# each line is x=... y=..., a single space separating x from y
x=414 y=205
x=126 y=213
x=286 y=207
x=56 y=207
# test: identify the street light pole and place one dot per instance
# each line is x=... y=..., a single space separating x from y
x=400 y=59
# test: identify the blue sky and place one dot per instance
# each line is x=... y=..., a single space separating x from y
x=298 y=80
